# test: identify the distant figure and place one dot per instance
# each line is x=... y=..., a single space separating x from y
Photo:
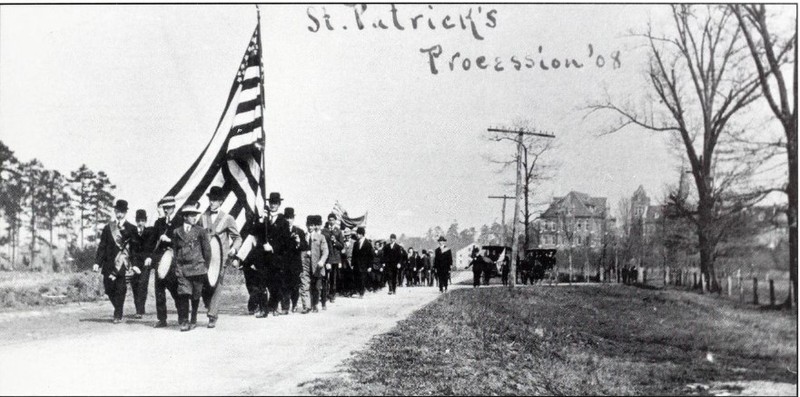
x=505 y=269
x=392 y=256
x=362 y=260
x=442 y=262
x=336 y=240
x=477 y=267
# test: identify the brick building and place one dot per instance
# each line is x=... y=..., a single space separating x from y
x=584 y=218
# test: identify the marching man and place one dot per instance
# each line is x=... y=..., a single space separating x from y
x=112 y=257
x=317 y=259
x=164 y=229
x=191 y=258
x=219 y=223
x=442 y=262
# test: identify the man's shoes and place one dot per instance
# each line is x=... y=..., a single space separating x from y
x=261 y=314
x=117 y=320
x=212 y=322
x=324 y=308
x=285 y=313
x=251 y=312
x=294 y=309
x=160 y=324
x=192 y=325
x=332 y=299
x=314 y=310
x=137 y=316
x=185 y=327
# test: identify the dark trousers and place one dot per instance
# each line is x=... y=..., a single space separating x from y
x=183 y=309
x=476 y=279
x=391 y=275
x=290 y=290
x=361 y=279
x=504 y=276
x=170 y=284
x=254 y=289
x=213 y=295
x=319 y=290
x=443 y=279
x=274 y=282
x=139 y=285
x=331 y=280
x=116 y=289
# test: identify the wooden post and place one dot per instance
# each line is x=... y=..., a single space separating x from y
x=771 y=293
x=694 y=282
x=741 y=291
x=755 y=290
x=730 y=286
x=666 y=276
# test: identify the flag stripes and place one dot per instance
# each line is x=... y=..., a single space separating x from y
x=233 y=157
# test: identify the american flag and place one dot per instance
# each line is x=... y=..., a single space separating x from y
x=345 y=220
x=233 y=157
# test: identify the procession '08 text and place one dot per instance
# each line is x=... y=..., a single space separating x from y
x=458 y=61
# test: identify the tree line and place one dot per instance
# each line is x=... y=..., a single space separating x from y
x=52 y=208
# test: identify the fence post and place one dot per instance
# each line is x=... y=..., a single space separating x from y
x=771 y=293
x=666 y=276
x=755 y=290
x=694 y=280
x=702 y=282
x=730 y=287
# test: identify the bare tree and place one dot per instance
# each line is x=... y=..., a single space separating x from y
x=700 y=82
x=770 y=53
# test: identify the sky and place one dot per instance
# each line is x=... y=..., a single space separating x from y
x=353 y=115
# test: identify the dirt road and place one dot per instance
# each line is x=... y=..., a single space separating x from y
x=76 y=350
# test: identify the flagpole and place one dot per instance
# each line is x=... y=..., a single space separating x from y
x=263 y=181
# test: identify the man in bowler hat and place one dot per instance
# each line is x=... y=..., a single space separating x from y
x=142 y=245
x=221 y=224
x=112 y=257
x=442 y=262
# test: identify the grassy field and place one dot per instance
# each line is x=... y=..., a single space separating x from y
x=21 y=290
x=604 y=339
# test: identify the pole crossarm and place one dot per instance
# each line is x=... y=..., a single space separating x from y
x=521 y=132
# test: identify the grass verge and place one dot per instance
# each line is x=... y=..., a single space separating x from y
x=570 y=340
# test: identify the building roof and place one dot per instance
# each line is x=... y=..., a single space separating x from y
x=580 y=205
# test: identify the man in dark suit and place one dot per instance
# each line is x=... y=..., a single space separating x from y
x=218 y=223
x=142 y=244
x=333 y=233
x=292 y=262
x=263 y=266
x=163 y=230
x=113 y=257
x=192 y=253
x=392 y=256
x=362 y=260
x=442 y=262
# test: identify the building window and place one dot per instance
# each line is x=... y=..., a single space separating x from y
x=580 y=240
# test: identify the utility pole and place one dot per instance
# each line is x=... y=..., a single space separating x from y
x=521 y=150
x=504 y=197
